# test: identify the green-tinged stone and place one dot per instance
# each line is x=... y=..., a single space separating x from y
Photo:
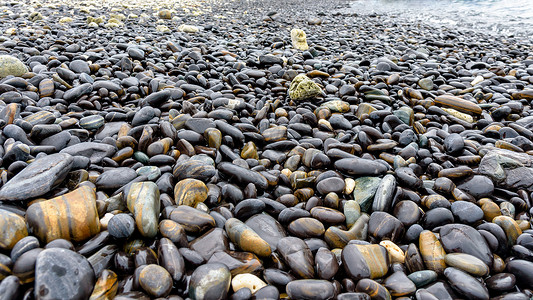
x=141 y=157
x=142 y=199
x=422 y=278
x=337 y=106
x=151 y=172
x=352 y=211
x=299 y=39
x=405 y=114
x=303 y=88
x=10 y=65
x=365 y=190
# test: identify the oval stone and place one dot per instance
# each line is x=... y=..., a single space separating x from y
x=38 y=178
x=142 y=199
x=72 y=216
x=63 y=274
x=13 y=229
x=310 y=289
x=365 y=261
x=210 y=281
x=190 y=192
x=465 y=284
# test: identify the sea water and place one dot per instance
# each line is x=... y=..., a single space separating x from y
x=507 y=17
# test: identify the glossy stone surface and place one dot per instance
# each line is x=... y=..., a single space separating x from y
x=72 y=216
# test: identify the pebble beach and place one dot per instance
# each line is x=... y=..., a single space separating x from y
x=247 y=149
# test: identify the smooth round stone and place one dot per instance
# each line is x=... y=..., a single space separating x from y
x=373 y=289
x=353 y=296
x=247 y=239
x=10 y=65
x=328 y=215
x=466 y=212
x=384 y=226
x=13 y=229
x=465 y=239
x=298 y=256
x=210 y=281
x=423 y=278
x=310 y=289
x=192 y=220
x=115 y=178
x=121 y=226
x=326 y=263
x=250 y=281
x=522 y=270
x=268 y=228
x=510 y=227
x=454 y=144
x=242 y=294
x=360 y=167
x=306 y=228
x=143 y=202
x=501 y=282
x=92 y=122
x=53 y=219
x=63 y=274
x=467 y=263
x=249 y=207
x=465 y=284
x=407 y=177
x=437 y=217
x=23 y=245
x=174 y=232
x=155 y=280
x=24 y=267
x=190 y=192
x=332 y=184
x=10 y=287
x=38 y=178
x=399 y=285
x=365 y=261
x=431 y=251
x=478 y=186
x=171 y=259
x=407 y=212
x=79 y=66
x=384 y=193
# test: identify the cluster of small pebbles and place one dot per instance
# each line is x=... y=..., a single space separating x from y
x=260 y=150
